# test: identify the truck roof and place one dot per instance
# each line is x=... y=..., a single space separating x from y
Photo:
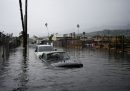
x=43 y=45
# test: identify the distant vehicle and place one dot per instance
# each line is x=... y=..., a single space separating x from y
x=60 y=59
x=40 y=49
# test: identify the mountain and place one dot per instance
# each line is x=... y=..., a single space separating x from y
x=110 y=33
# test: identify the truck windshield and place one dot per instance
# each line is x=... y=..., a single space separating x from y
x=45 y=48
x=58 y=56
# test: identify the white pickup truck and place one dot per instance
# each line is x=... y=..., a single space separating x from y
x=40 y=49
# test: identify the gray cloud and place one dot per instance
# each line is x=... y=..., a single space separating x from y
x=62 y=16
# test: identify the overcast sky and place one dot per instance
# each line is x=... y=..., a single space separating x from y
x=62 y=16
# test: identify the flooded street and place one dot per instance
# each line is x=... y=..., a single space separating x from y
x=101 y=72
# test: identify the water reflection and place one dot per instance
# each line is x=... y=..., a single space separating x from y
x=23 y=76
x=4 y=63
x=4 y=53
x=102 y=71
x=4 y=56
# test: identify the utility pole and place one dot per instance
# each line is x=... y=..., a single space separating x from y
x=24 y=22
x=25 y=25
x=21 y=12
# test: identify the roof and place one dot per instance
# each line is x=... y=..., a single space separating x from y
x=49 y=52
x=43 y=45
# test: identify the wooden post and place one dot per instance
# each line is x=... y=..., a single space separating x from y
x=24 y=22
x=21 y=12
x=123 y=43
x=116 y=43
x=25 y=26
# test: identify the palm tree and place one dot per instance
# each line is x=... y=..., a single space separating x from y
x=78 y=26
x=46 y=24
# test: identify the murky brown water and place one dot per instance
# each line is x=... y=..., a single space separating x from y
x=101 y=72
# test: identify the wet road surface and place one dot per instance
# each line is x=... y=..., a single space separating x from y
x=101 y=72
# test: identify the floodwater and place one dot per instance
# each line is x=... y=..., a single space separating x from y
x=101 y=72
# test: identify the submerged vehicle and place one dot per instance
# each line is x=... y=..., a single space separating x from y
x=60 y=59
x=40 y=49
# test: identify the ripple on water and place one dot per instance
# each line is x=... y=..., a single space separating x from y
x=100 y=72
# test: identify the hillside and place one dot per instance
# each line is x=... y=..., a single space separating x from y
x=110 y=32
